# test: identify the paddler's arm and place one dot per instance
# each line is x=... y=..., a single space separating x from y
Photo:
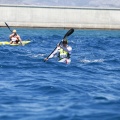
x=20 y=40
x=11 y=36
x=10 y=39
x=53 y=54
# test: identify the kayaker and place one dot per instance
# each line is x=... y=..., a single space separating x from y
x=63 y=52
x=15 y=38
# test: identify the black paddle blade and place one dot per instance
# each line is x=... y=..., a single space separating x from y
x=68 y=33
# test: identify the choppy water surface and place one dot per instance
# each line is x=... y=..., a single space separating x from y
x=87 y=89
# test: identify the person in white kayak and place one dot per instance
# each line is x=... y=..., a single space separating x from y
x=15 y=38
x=63 y=51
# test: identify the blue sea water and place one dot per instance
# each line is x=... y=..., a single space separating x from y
x=86 y=89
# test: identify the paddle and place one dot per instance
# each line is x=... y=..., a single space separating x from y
x=66 y=35
x=8 y=26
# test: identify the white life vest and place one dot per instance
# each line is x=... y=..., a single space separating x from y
x=14 y=39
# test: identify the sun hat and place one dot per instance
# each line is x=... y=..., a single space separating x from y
x=14 y=31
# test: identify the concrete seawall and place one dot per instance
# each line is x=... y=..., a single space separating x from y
x=59 y=17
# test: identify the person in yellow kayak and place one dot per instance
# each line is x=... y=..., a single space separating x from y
x=15 y=38
x=63 y=52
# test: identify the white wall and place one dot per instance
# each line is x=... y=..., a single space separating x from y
x=61 y=17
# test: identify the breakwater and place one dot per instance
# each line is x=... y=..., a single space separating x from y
x=59 y=17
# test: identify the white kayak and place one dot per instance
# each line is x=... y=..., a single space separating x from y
x=65 y=60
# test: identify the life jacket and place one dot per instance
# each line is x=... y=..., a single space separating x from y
x=63 y=54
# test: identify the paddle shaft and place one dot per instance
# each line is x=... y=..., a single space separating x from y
x=8 y=26
x=66 y=35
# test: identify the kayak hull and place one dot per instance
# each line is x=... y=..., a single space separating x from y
x=8 y=43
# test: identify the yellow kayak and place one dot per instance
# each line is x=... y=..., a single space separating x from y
x=8 y=43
